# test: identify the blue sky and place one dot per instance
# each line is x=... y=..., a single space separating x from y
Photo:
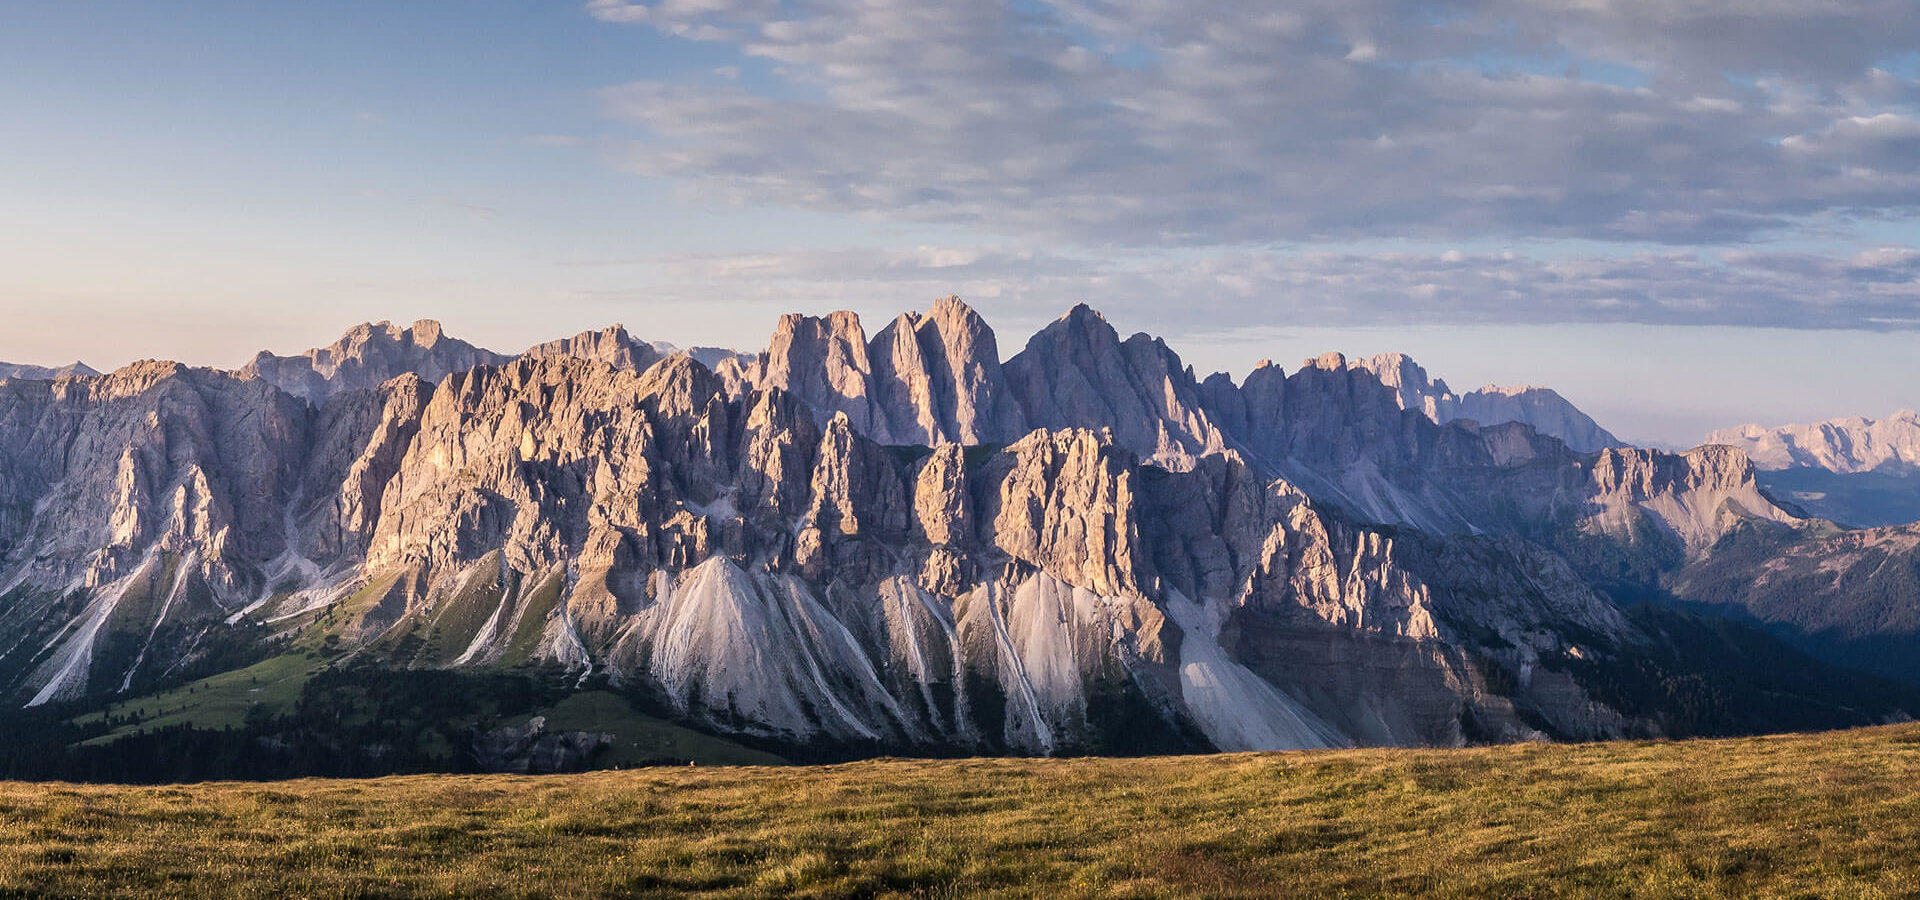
x=1681 y=214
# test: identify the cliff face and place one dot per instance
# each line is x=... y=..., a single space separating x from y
x=855 y=543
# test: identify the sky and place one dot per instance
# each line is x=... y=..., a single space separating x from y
x=1682 y=214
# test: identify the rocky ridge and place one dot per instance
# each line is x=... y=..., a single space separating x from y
x=890 y=543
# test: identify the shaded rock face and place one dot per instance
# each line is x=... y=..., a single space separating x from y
x=1542 y=408
x=884 y=544
x=366 y=356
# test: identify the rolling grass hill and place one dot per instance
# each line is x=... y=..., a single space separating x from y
x=1833 y=815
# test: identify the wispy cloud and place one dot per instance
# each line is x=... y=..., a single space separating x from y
x=1877 y=289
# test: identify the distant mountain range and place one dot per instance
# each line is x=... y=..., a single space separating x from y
x=11 y=370
x=1854 y=470
x=844 y=545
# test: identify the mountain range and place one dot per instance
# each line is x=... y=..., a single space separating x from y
x=844 y=545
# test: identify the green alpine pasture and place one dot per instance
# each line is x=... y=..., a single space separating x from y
x=1822 y=815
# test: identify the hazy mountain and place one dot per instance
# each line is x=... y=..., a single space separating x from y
x=1847 y=445
x=1543 y=408
x=1859 y=471
x=898 y=543
x=42 y=373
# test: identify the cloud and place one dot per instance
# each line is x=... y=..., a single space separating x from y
x=1197 y=123
x=1173 y=293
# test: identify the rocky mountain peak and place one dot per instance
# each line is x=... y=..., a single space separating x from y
x=367 y=355
x=1698 y=495
x=1329 y=362
x=1410 y=380
x=424 y=333
x=611 y=345
x=1077 y=373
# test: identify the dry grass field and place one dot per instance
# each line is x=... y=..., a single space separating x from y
x=1827 y=815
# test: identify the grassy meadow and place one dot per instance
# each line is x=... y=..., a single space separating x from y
x=1826 y=815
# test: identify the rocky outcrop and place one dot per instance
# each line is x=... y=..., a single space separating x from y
x=937 y=379
x=1542 y=408
x=367 y=355
x=1698 y=495
x=153 y=496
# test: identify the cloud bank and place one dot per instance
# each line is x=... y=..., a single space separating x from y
x=1693 y=135
x=1874 y=290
